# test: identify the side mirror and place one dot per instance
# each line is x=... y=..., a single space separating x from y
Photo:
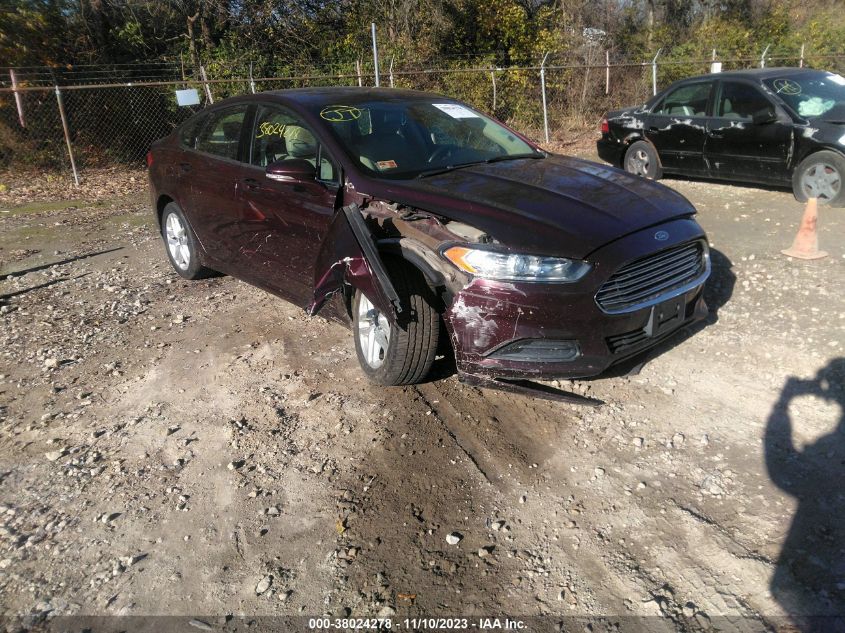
x=766 y=115
x=295 y=170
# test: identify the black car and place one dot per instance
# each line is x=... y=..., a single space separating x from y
x=774 y=126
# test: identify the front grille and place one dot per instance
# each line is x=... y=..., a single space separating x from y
x=651 y=278
x=624 y=342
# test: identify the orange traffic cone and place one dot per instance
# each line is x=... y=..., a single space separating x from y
x=806 y=244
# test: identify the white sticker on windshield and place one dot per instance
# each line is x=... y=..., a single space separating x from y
x=456 y=111
x=837 y=79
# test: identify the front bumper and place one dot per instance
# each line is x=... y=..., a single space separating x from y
x=488 y=316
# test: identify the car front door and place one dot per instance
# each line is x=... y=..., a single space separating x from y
x=283 y=222
x=748 y=137
x=677 y=125
x=214 y=171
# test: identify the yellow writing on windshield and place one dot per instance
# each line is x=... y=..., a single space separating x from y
x=338 y=113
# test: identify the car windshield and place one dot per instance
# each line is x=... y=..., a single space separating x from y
x=811 y=96
x=415 y=138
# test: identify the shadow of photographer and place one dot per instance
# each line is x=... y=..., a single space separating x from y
x=809 y=581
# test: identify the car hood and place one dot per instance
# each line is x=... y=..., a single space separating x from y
x=553 y=206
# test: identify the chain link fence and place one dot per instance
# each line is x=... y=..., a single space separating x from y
x=78 y=127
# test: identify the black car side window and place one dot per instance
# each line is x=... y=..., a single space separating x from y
x=685 y=101
x=740 y=101
x=222 y=134
x=280 y=134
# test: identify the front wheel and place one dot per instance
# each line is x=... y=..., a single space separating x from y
x=397 y=350
x=820 y=175
x=641 y=160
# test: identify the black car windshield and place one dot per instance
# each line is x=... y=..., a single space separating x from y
x=406 y=139
x=810 y=95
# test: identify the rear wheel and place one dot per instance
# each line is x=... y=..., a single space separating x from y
x=821 y=175
x=641 y=160
x=397 y=350
x=181 y=244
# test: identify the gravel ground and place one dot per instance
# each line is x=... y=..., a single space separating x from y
x=206 y=450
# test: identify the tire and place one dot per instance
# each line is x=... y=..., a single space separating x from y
x=641 y=159
x=821 y=175
x=180 y=243
x=412 y=337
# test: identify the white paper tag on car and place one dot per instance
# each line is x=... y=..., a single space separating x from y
x=456 y=111
x=837 y=79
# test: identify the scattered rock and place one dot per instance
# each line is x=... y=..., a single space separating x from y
x=453 y=538
x=263 y=585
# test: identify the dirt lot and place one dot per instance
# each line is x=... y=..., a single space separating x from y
x=203 y=449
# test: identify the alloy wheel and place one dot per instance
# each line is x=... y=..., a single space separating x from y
x=821 y=180
x=373 y=332
x=638 y=163
x=177 y=241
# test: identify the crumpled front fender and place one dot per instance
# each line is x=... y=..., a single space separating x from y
x=349 y=256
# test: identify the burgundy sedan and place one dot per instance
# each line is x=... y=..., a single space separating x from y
x=427 y=225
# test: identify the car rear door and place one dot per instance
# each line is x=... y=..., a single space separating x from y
x=215 y=170
x=676 y=127
x=283 y=223
x=736 y=147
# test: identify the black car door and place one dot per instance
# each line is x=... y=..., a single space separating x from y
x=283 y=222
x=749 y=137
x=676 y=127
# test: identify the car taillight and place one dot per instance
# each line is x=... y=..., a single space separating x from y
x=605 y=126
x=149 y=159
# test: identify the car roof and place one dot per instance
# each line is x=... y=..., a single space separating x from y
x=327 y=95
x=761 y=73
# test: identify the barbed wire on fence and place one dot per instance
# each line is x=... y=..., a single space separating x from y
x=79 y=126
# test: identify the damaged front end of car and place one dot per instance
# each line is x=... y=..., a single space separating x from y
x=481 y=317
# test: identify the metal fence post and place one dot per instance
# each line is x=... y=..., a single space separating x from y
x=543 y=90
x=205 y=84
x=251 y=80
x=358 y=72
x=63 y=116
x=801 y=61
x=18 y=102
x=607 y=72
x=391 y=71
x=493 y=79
x=654 y=72
x=763 y=56
x=375 y=52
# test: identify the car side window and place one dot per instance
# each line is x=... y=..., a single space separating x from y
x=740 y=101
x=222 y=134
x=328 y=171
x=188 y=132
x=280 y=134
x=688 y=100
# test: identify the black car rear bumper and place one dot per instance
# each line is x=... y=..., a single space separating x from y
x=611 y=151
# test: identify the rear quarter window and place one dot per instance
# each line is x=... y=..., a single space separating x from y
x=188 y=132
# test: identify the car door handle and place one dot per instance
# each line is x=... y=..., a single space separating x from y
x=715 y=135
x=652 y=129
x=185 y=167
x=251 y=184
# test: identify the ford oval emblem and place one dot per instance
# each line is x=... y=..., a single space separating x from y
x=661 y=236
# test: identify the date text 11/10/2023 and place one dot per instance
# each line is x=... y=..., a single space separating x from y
x=418 y=624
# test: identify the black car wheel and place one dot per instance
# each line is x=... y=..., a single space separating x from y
x=821 y=175
x=391 y=350
x=641 y=160
x=181 y=244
